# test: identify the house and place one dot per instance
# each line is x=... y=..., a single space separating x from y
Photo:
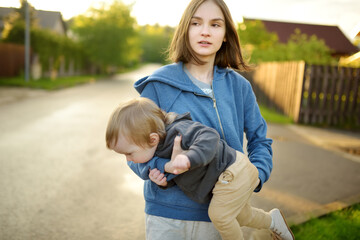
x=12 y=56
x=52 y=21
x=352 y=61
x=357 y=39
x=333 y=37
x=46 y=19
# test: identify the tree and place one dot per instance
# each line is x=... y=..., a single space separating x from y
x=308 y=48
x=108 y=36
x=46 y=44
x=253 y=32
x=16 y=20
x=154 y=42
x=262 y=46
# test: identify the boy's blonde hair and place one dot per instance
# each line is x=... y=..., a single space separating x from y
x=136 y=120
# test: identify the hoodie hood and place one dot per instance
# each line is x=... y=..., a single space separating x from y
x=174 y=76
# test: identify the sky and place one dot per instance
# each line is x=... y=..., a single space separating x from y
x=342 y=13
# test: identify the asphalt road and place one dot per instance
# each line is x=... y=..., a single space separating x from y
x=57 y=179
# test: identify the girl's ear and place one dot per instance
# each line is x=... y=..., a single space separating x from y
x=154 y=139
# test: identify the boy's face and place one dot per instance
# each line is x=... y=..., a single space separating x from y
x=135 y=153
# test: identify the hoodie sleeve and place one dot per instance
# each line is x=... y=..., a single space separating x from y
x=201 y=143
x=258 y=147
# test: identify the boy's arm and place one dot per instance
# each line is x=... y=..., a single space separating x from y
x=142 y=169
x=201 y=144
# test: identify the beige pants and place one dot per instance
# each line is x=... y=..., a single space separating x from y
x=229 y=207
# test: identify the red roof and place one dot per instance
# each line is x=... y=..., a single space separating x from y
x=334 y=38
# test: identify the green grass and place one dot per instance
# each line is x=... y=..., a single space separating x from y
x=47 y=83
x=271 y=116
x=340 y=225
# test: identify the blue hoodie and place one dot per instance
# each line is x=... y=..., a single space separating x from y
x=232 y=111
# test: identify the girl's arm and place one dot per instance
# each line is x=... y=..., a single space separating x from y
x=259 y=146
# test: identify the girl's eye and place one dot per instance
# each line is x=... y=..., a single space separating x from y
x=195 y=23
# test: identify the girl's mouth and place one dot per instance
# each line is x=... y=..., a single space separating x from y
x=204 y=43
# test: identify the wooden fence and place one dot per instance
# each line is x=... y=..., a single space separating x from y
x=310 y=94
x=12 y=59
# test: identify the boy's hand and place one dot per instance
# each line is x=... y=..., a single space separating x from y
x=157 y=177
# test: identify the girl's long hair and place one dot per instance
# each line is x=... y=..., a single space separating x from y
x=229 y=55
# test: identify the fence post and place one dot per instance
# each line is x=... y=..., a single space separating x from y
x=299 y=90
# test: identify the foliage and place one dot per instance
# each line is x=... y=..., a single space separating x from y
x=154 y=42
x=254 y=33
x=344 y=224
x=48 y=45
x=308 y=48
x=17 y=18
x=262 y=46
x=107 y=35
x=45 y=43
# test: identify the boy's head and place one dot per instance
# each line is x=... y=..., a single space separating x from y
x=137 y=125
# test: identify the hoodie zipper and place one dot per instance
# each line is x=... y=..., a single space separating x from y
x=216 y=109
x=217 y=112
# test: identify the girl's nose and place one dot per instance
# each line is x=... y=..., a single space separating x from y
x=205 y=31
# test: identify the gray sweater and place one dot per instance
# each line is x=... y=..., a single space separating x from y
x=208 y=154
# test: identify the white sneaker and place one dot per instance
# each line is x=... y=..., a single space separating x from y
x=280 y=226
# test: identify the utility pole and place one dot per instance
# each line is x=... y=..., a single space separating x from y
x=27 y=41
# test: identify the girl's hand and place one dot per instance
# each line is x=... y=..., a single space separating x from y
x=157 y=177
x=180 y=164
x=176 y=148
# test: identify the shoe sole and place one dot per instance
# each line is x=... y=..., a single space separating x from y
x=287 y=225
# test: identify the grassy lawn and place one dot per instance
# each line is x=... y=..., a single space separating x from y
x=58 y=83
x=339 y=225
x=271 y=116
x=47 y=83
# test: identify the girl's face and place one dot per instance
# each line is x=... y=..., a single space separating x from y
x=207 y=31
